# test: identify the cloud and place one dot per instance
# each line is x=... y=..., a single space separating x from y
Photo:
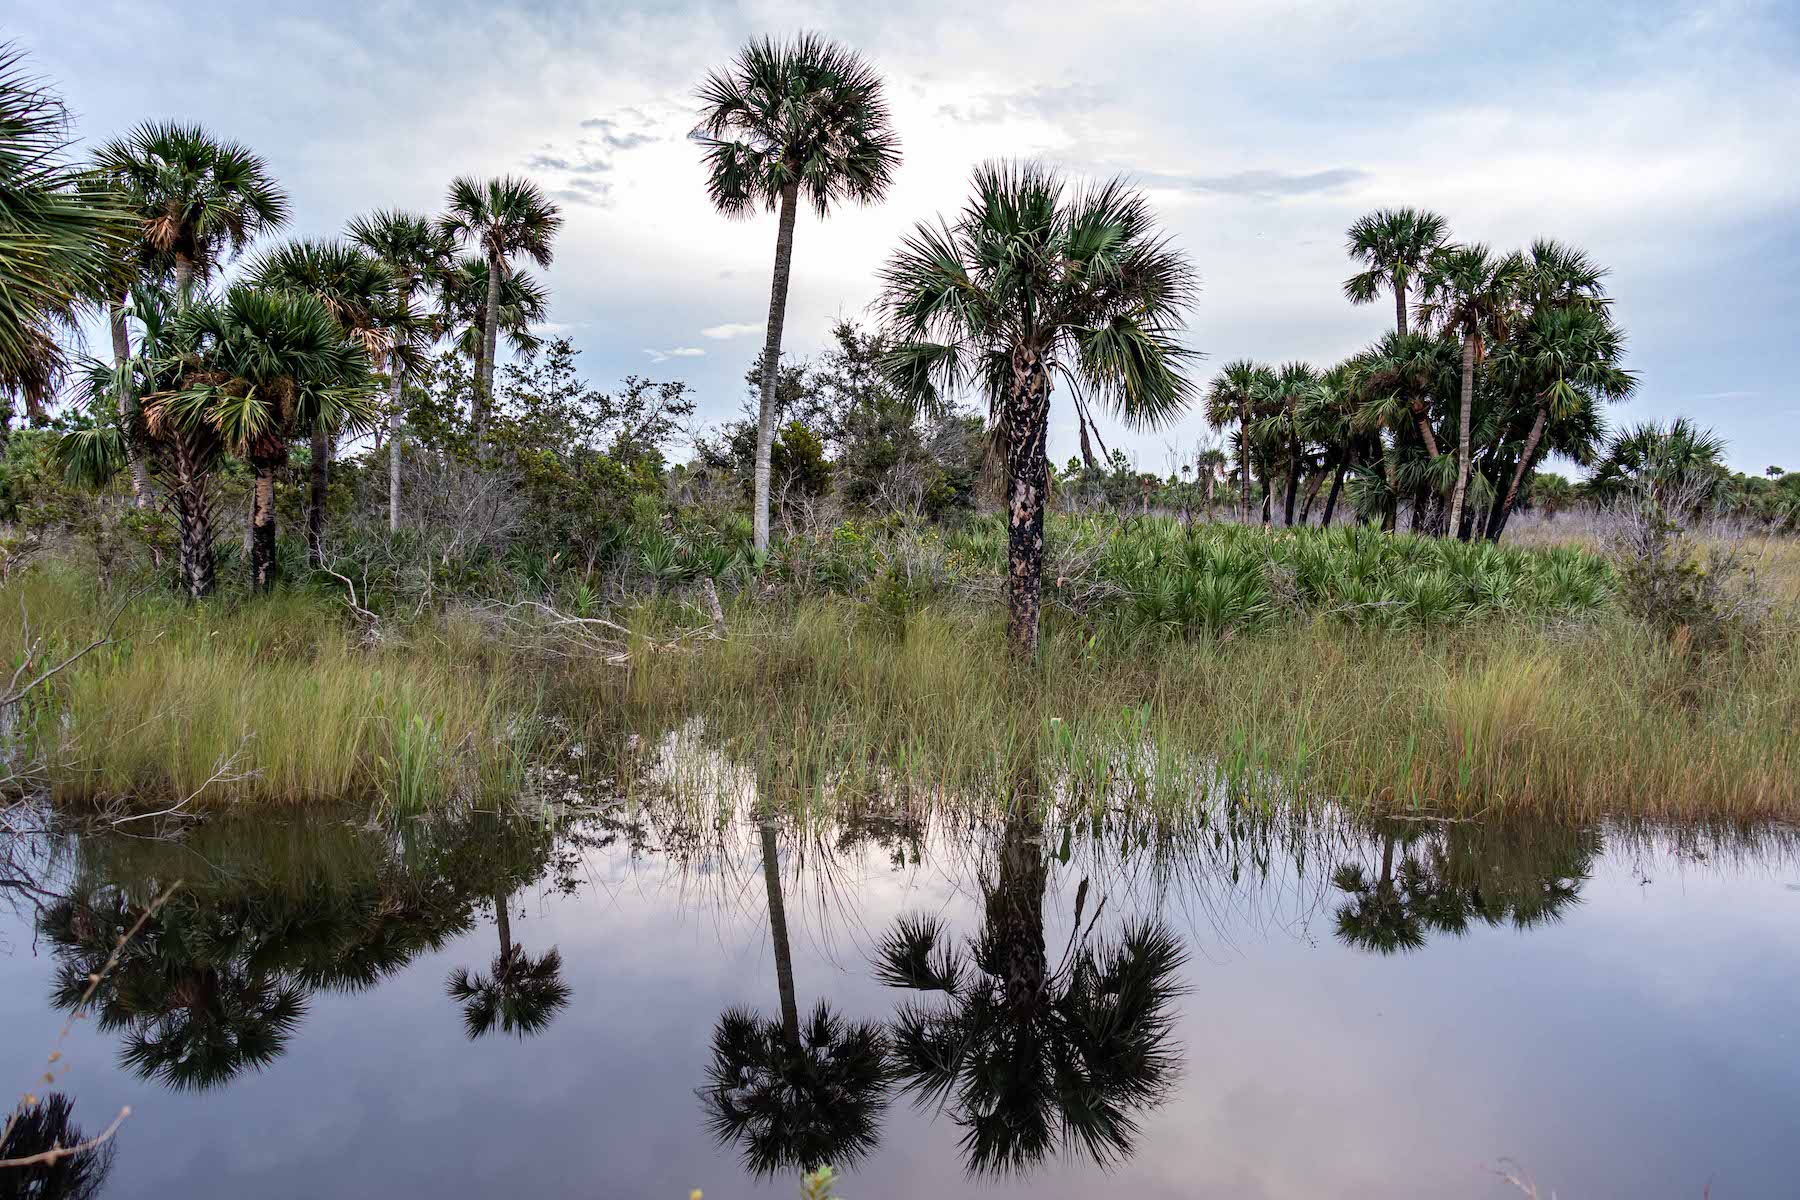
x=615 y=138
x=1044 y=103
x=1262 y=185
x=729 y=330
x=657 y=356
x=579 y=190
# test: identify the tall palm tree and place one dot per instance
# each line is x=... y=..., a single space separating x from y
x=786 y=121
x=1032 y=281
x=278 y=365
x=462 y=310
x=503 y=218
x=417 y=254
x=1230 y=399
x=361 y=294
x=196 y=201
x=1393 y=245
x=520 y=994
x=1296 y=385
x=793 y=1094
x=61 y=237
x=1469 y=291
x=1033 y=1057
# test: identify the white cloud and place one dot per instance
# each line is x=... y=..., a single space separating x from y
x=657 y=356
x=730 y=329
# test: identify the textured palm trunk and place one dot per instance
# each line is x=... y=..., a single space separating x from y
x=1527 y=458
x=503 y=924
x=395 y=392
x=1400 y=303
x=490 y=334
x=784 y=956
x=128 y=410
x=1293 y=486
x=184 y=278
x=262 y=528
x=1466 y=412
x=1422 y=419
x=193 y=518
x=317 y=492
x=1244 y=455
x=771 y=364
x=1015 y=911
x=1337 y=485
x=1027 y=486
x=1268 y=492
x=1313 y=488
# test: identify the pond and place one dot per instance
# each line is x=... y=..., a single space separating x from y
x=607 y=1000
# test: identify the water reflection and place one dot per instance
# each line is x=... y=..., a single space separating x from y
x=1030 y=1058
x=1450 y=874
x=519 y=993
x=37 y=1128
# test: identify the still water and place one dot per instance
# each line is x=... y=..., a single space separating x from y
x=1043 y=1005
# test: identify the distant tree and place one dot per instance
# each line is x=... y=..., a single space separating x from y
x=1232 y=397
x=786 y=120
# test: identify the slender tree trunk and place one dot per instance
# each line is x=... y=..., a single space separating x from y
x=490 y=334
x=1244 y=454
x=778 y=931
x=1293 y=487
x=395 y=399
x=1400 y=287
x=771 y=364
x=262 y=528
x=1462 y=434
x=1527 y=459
x=1268 y=493
x=1337 y=484
x=1422 y=418
x=503 y=924
x=128 y=410
x=317 y=493
x=1027 y=487
x=1313 y=489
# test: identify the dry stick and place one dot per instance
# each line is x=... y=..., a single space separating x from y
x=57 y=1153
x=222 y=773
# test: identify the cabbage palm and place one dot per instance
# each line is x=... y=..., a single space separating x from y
x=787 y=121
x=277 y=365
x=1393 y=245
x=463 y=296
x=40 y=1125
x=1032 y=1057
x=61 y=237
x=1296 y=384
x=1471 y=292
x=362 y=295
x=1230 y=399
x=502 y=218
x=520 y=994
x=1035 y=280
x=417 y=254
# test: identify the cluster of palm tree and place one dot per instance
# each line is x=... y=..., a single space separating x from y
x=1507 y=358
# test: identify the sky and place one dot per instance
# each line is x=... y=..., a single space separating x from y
x=1662 y=138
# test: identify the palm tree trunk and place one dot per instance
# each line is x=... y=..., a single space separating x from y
x=1400 y=306
x=1337 y=484
x=184 y=278
x=1462 y=433
x=193 y=517
x=503 y=924
x=1015 y=911
x=771 y=364
x=1526 y=459
x=1268 y=493
x=1027 y=487
x=128 y=410
x=262 y=528
x=490 y=333
x=395 y=390
x=1293 y=486
x=1244 y=454
x=1313 y=488
x=317 y=492
x=1422 y=419
x=784 y=956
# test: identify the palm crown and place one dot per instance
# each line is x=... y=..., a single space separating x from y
x=806 y=115
x=1392 y=244
x=504 y=217
x=198 y=200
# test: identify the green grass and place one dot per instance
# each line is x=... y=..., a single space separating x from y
x=1179 y=667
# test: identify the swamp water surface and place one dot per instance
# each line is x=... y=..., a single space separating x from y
x=1055 y=1005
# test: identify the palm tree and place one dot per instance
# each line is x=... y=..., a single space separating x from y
x=1296 y=384
x=520 y=994
x=1032 y=281
x=793 y=1094
x=278 y=365
x=1033 y=1058
x=1393 y=245
x=462 y=312
x=61 y=237
x=361 y=293
x=1231 y=397
x=503 y=218
x=417 y=254
x=782 y=121
x=1470 y=292
x=43 y=1125
x=1328 y=417
x=195 y=202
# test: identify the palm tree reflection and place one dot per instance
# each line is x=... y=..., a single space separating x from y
x=1031 y=1059
x=519 y=993
x=41 y=1125
x=794 y=1095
